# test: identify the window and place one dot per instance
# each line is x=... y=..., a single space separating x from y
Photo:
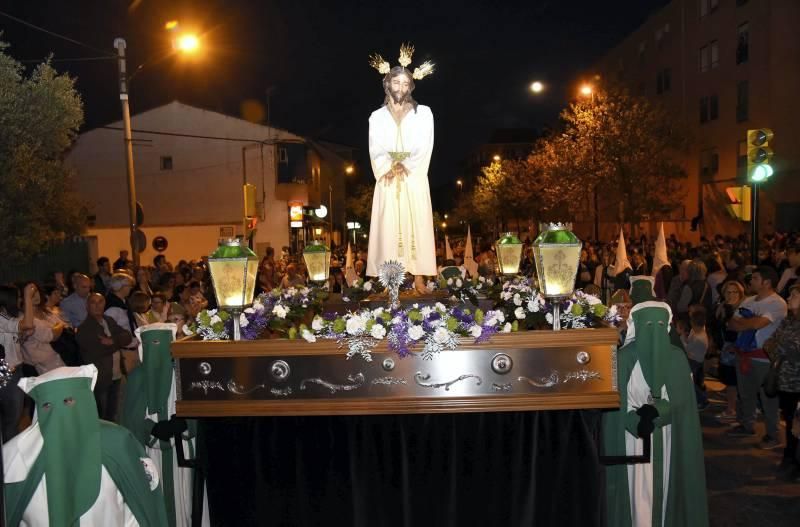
x=707 y=7
x=283 y=156
x=743 y=43
x=713 y=108
x=166 y=162
x=705 y=58
x=661 y=35
x=709 y=164
x=714 y=54
x=664 y=81
x=742 y=101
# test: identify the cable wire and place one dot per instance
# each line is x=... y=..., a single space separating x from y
x=57 y=35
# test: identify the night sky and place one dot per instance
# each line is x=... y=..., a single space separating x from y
x=311 y=55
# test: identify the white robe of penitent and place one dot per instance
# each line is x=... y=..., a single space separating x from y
x=402 y=219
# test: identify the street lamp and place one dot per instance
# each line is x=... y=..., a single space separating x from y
x=537 y=87
x=185 y=45
x=233 y=273
x=586 y=90
x=349 y=169
x=509 y=254
x=496 y=157
x=318 y=261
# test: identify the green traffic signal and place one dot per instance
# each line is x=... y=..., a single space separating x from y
x=759 y=154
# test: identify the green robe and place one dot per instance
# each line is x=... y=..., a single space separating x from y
x=652 y=363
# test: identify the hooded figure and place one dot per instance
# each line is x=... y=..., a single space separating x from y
x=70 y=468
x=642 y=289
x=662 y=270
x=655 y=390
x=148 y=413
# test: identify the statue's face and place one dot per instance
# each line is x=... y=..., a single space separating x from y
x=399 y=88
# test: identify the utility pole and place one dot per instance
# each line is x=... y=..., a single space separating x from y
x=120 y=44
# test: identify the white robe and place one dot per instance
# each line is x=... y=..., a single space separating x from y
x=402 y=222
x=21 y=452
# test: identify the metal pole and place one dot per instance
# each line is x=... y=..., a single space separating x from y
x=244 y=182
x=754 y=224
x=120 y=44
x=330 y=211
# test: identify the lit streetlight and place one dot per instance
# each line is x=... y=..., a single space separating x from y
x=349 y=169
x=497 y=157
x=459 y=183
x=537 y=87
x=185 y=45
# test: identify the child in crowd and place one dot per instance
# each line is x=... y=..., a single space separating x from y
x=695 y=343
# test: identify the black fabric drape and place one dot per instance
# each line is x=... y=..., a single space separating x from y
x=489 y=469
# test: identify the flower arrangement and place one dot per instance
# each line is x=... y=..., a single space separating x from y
x=210 y=324
x=360 y=290
x=435 y=328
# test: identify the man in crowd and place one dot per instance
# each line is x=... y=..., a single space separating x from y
x=761 y=314
x=74 y=306
x=100 y=338
x=102 y=279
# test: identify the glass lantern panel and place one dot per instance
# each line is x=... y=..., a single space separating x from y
x=317 y=264
x=557 y=267
x=229 y=281
x=509 y=256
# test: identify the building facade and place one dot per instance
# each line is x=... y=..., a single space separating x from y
x=723 y=67
x=190 y=167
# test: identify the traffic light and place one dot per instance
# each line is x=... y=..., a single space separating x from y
x=249 y=200
x=739 y=202
x=759 y=155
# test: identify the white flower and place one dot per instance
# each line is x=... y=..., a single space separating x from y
x=499 y=315
x=507 y=328
x=519 y=313
x=505 y=295
x=186 y=330
x=368 y=286
x=396 y=320
x=415 y=332
x=306 y=334
x=517 y=299
x=243 y=322
x=378 y=331
x=291 y=291
x=317 y=324
x=475 y=331
x=279 y=311
x=426 y=310
x=441 y=335
x=459 y=283
x=415 y=305
x=304 y=291
x=378 y=311
x=215 y=319
x=449 y=281
x=440 y=307
x=481 y=279
x=345 y=299
x=212 y=312
x=431 y=285
x=549 y=318
x=533 y=306
x=250 y=310
x=355 y=325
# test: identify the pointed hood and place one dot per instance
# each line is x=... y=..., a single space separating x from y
x=469 y=260
x=448 y=251
x=660 y=258
x=622 y=261
x=350 y=275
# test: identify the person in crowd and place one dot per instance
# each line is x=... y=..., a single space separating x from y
x=197 y=299
x=696 y=290
x=266 y=272
x=14 y=326
x=74 y=306
x=61 y=284
x=716 y=275
x=122 y=262
x=51 y=299
x=117 y=308
x=100 y=338
x=790 y=274
x=143 y=281
x=139 y=304
x=732 y=297
x=292 y=278
x=102 y=279
x=159 y=309
x=677 y=283
x=761 y=314
x=695 y=342
x=47 y=327
x=785 y=345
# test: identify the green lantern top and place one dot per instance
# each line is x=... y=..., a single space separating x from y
x=508 y=238
x=557 y=234
x=316 y=246
x=232 y=248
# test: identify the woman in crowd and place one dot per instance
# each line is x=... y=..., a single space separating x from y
x=13 y=326
x=159 y=308
x=695 y=290
x=785 y=343
x=47 y=327
x=143 y=281
x=732 y=296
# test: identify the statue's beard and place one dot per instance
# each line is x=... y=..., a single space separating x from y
x=399 y=97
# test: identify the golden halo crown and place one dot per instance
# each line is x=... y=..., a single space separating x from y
x=406 y=53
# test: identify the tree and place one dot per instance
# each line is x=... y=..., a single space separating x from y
x=624 y=147
x=359 y=204
x=39 y=119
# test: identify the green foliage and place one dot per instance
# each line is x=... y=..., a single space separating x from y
x=39 y=119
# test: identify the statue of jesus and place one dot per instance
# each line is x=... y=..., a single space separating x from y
x=400 y=147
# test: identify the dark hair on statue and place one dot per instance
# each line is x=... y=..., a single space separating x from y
x=387 y=79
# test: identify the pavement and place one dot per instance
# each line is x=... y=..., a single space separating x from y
x=741 y=478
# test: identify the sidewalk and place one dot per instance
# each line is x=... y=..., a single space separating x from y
x=740 y=477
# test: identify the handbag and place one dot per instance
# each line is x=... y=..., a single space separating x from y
x=771 y=380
